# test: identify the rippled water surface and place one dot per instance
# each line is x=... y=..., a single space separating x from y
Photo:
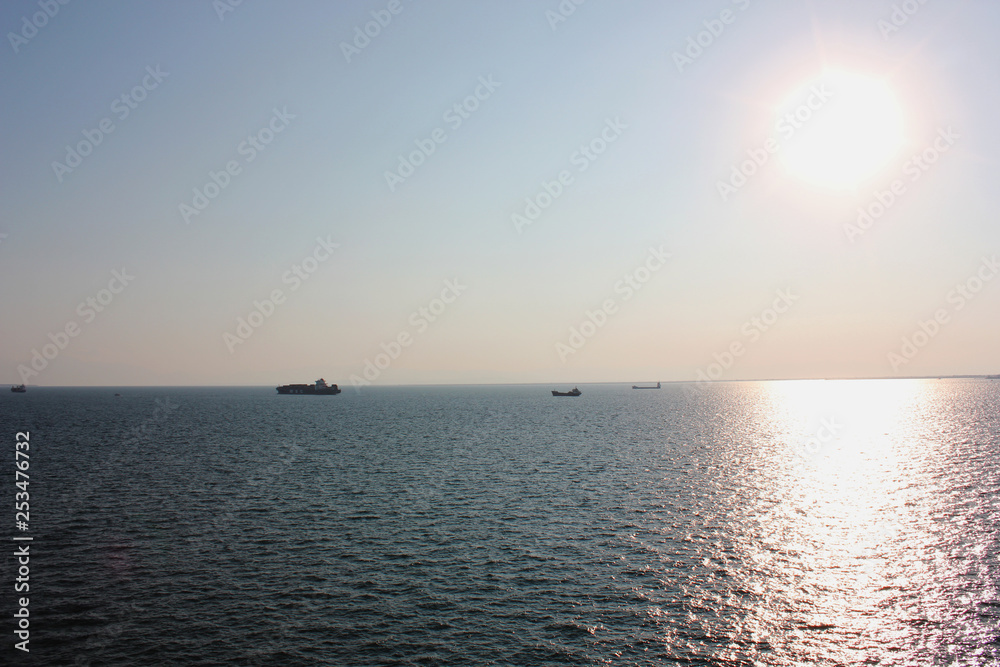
x=821 y=522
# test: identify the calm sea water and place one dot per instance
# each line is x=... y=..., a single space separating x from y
x=784 y=523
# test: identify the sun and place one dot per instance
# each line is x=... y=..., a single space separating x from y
x=839 y=130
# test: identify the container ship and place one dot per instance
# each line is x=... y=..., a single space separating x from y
x=318 y=388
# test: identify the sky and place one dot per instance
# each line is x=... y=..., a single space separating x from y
x=411 y=192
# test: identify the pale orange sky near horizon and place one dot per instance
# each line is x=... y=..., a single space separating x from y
x=499 y=193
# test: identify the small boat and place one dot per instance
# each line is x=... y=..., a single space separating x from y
x=19 y=389
x=318 y=388
x=575 y=392
x=635 y=386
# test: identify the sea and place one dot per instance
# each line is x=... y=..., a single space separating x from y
x=827 y=522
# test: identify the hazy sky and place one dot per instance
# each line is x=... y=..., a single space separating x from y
x=497 y=191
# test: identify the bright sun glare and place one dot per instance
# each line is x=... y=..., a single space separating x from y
x=840 y=129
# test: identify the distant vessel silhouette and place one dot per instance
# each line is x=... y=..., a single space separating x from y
x=575 y=392
x=319 y=388
x=19 y=389
x=635 y=386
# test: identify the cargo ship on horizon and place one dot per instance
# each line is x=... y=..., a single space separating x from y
x=318 y=388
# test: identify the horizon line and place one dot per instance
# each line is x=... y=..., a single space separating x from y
x=501 y=384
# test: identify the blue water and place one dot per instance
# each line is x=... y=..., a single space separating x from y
x=784 y=523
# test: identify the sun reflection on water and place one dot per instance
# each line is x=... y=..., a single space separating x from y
x=851 y=526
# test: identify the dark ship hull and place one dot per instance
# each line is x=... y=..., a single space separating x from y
x=319 y=388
